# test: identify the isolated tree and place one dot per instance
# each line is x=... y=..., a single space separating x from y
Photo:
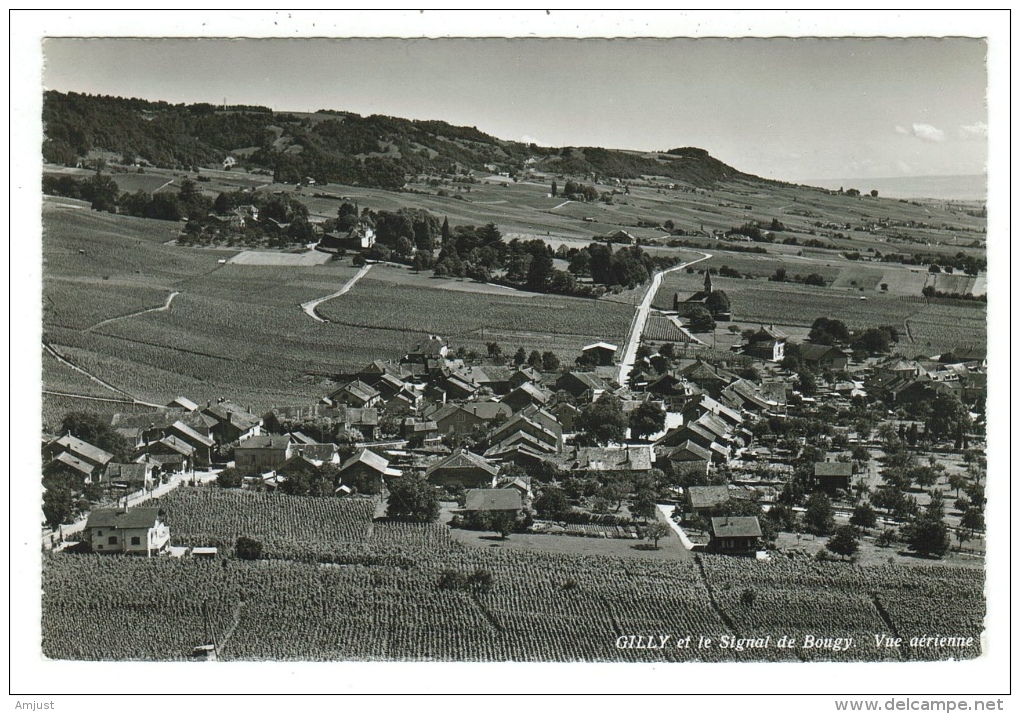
x=927 y=536
x=649 y=418
x=845 y=542
x=864 y=516
x=643 y=505
x=825 y=331
x=973 y=519
x=602 y=422
x=404 y=247
x=552 y=503
x=717 y=302
x=554 y=190
x=656 y=532
x=89 y=427
x=535 y=359
x=947 y=417
x=539 y=271
x=445 y=231
x=412 y=498
x=818 y=514
x=550 y=362
x=230 y=478
x=700 y=320
x=502 y=522
x=248 y=548
x=494 y=350
x=520 y=356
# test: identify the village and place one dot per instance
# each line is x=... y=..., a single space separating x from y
x=784 y=447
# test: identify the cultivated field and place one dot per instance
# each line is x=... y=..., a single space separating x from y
x=926 y=327
x=333 y=575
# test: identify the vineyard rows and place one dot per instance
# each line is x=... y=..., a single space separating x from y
x=541 y=607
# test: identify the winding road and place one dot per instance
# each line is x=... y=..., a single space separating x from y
x=641 y=317
x=161 y=308
x=309 y=307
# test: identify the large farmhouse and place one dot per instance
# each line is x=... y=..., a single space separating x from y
x=134 y=531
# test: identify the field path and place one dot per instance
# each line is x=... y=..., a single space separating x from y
x=309 y=307
x=560 y=206
x=641 y=317
x=60 y=358
x=161 y=308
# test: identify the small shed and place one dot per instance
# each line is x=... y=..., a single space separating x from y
x=738 y=535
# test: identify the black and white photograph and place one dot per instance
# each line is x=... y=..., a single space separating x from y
x=370 y=345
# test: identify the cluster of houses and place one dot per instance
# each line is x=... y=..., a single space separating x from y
x=460 y=425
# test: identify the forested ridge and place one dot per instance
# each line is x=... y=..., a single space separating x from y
x=329 y=146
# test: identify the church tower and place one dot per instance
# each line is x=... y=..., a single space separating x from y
x=708 y=283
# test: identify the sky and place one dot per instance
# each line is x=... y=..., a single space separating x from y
x=784 y=108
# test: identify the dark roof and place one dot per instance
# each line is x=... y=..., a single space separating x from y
x=834 y=468
x=316 y=452
x=628 y=458
x=812 y=352
x=492 y=499
x=708 y=496
x=372 y=460
x=736 y=527
x=264 y=442
x=73 y=462
x=83 y=449
x=359 y=389
x=485 y=411
x=462 y=460
x=190 y=434
x=588 y=379
x=184 y=403
x=532 y=391
x=126 y=472
x=118 y=518
x=687 y=450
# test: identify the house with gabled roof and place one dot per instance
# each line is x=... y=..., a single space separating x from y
x=832 y=476
x=536 y=423
x=526 y=395
x=767 y=343
x=262 y=453
x=366 y=466
x=523 y=375
x=356 y=394
x=824 y=356
x=77 y=456
x=131 y=477
x=183 y=403
x=612 y=459
x=229 y=422
x=583 y=386
x=735 y=535
x=133 y=531
x=462 y=468
x=463 y=419
x=710 y=378
x=600 y=353
x=202 y=444
x=687 y=457
x=168 y=455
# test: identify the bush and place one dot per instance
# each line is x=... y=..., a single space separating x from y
x=248 y=548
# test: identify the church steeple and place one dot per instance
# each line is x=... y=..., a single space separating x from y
x=708 y=282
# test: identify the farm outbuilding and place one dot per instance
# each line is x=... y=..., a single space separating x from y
x=735 y=535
